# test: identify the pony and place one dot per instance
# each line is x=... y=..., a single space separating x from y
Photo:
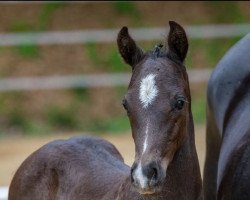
x=158 y=105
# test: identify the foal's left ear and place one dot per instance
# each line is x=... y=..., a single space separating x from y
x=177 y=41
x=131 y=53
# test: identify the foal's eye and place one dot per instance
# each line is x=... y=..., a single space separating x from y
x=179 y=104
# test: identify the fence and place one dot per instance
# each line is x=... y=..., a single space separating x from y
x=82 y=81
x=109 y=35
x=85 y=36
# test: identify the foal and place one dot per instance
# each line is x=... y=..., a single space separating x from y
x=227 y=166
x=158 y=105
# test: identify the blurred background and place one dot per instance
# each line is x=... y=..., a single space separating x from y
x=49 y=52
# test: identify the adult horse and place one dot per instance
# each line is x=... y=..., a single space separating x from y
x=227 y=166
x=158 y=105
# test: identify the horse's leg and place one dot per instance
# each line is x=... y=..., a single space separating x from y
x=213 y=141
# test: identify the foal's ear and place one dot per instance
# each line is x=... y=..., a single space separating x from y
x=128 y=49
x=177 y=41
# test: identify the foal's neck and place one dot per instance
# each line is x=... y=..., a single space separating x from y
x=183 y=180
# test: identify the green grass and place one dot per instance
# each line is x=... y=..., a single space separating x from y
x=44 y=17
x=204 y=53
x=110 y=60
x=47 y=11
x=18 y=120
x=114 y=61
x=92 y=53
x=64 y=118
x=118 y=124
x=121 y=91
x=25 y=50
x=216 y=49
x=21 y=123
x=30 y=51
x=81 y=94
x=105 y=57
x=35 y=127
x=226 y=12
x=127 y=8
x=21 y=26
x=199 y=109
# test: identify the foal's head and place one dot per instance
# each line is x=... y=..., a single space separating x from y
x=157 y=104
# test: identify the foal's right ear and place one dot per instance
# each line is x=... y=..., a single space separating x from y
x=128 y=49
x=177 y=41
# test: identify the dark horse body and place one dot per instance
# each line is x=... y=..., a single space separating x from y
x=227 y=166
x=158 y=105
x=85 y=168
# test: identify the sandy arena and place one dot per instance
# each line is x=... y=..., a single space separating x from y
x=14 y=150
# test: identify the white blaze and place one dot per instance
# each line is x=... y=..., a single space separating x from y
x=145 y=144
x=148 y=90
x=148 y=93
x=140 y=177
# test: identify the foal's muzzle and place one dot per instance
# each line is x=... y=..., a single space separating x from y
x=147 y=179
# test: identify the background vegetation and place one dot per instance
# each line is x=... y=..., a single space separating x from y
x=96 y=110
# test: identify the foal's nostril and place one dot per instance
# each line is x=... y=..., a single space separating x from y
x=151 y=171
x=155 y=173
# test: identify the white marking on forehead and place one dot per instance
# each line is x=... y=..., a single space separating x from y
x=145 y=144
x=148 y=90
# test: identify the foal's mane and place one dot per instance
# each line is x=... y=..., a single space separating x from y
x=161 y=51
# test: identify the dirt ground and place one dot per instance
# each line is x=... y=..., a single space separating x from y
x=13 y=150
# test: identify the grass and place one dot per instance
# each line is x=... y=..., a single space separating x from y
x=44 y=18
x=202 y=53
x=216 y=49
x=105 y=58
x=25 y=50
x=21 y=26
x=64 y=118
x=81 y=94
x=92 y=53
x=47 y=11
x=23 y=124
x=206 y=53
x=118 y=124
x=114 y=61
x=108 y=60
x=199 y=110
x=127 y=8
x=228 y=12
x=210 y=52
x=30 y=51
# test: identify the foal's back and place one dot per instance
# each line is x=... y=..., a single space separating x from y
x=70 y=169
x=227 y=167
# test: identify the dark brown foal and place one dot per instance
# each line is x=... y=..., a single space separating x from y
x=158 y=105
